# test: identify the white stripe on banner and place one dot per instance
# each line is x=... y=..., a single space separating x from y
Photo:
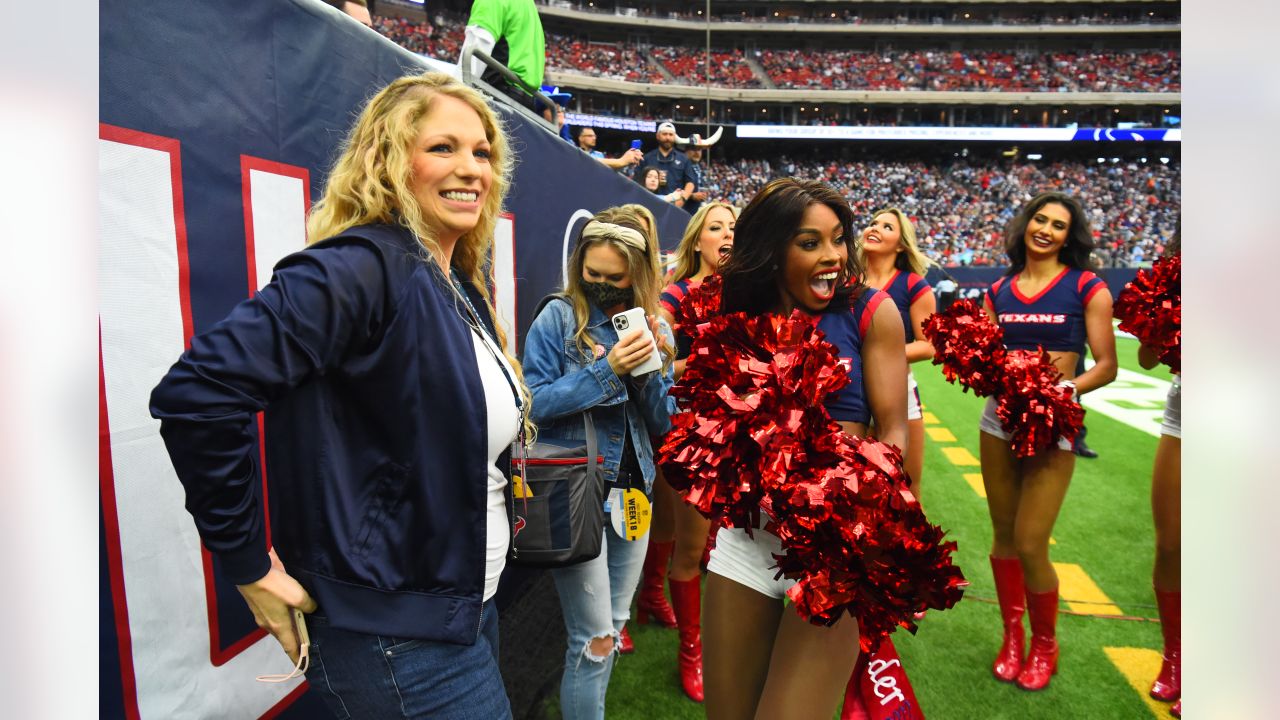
x=279 y=220
x=504 y=276
x=142 y=335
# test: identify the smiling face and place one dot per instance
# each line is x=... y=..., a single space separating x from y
x=1047 y=231
x=451 y=171
x=815 y=255
x=883 y=235
x=716 y=240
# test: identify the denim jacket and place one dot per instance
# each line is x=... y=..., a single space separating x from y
x=564 y=383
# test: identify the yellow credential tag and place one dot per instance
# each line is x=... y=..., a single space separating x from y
x=519 y=489
x=630 y=513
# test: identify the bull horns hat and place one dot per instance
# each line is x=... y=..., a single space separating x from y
x=695 y=140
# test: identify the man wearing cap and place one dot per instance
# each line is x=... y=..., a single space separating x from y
x=673 y=165
x=694 y=152
x=587 y=144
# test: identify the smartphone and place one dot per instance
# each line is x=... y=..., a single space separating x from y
x=635 y=144
x=634 y=319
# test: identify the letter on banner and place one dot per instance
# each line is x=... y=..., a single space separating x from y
x=143 y=300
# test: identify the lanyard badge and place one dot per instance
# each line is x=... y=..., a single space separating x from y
x=629 y=512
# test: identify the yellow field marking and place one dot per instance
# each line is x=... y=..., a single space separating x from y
x=930 y=418
x=1139 y=667
x=1074 y=583
x=960 y=456
x=975 y=482
x=940 y=434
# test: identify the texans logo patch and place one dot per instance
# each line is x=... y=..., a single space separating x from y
x=518 y=526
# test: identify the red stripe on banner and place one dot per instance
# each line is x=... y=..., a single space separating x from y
x=115 y=560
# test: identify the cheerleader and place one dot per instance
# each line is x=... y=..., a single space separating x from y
x=791 y=252
x=895 y=265
x=1048 y=299
x=678 y=527
x=1166 y=509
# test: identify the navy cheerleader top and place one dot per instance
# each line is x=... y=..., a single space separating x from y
x=905 y=288
x=670 y=300
x=846 y=327
x=1052 y=318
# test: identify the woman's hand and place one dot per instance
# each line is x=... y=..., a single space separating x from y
x=272 y=599
x=632 y=350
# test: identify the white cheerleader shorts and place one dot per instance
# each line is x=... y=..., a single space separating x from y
x=1172 y=425
x=914 y=409
x=749 y=561
x=990 y=424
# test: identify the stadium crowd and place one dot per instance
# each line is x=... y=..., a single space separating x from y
x=959 y=209
x=925 y=16
x=1088 y=71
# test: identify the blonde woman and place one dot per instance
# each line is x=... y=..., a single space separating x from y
x=679 y=532
x=576 y=362
x=895 y=265
x=389 y=400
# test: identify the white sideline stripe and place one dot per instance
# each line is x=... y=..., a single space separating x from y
x=1147 y=393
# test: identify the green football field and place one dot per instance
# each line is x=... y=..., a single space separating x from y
x=1103 y=546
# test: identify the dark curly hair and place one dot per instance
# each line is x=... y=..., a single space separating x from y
x=760 y=241
x=1074 y=253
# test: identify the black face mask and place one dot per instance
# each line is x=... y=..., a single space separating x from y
x=606 y=295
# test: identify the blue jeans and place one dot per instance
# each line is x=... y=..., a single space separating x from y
x=595 y=597
x=372 y=676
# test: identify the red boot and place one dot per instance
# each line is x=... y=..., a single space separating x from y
x=1042 y=661
x=854 y=708
x=625 y=646
x=650 y=602
x=1010 y=592
x=686 y=595
x=1168 y=684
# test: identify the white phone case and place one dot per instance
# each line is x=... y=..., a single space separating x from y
x=625 y=322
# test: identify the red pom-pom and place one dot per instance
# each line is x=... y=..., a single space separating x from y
x=700 y=304
x=1150 y=307
x=856 y=541
x=1033 y=408
x=968 y=346
x=754 y=434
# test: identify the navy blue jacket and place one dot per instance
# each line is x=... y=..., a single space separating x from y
x=375 y=432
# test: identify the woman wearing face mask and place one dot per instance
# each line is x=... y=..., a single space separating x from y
x=791 y=251
x=678 y=527
x=895 y=265
x=1048 y=299
x=574 y=362
x=389 y=404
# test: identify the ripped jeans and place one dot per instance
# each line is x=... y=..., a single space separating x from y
x=595 y=597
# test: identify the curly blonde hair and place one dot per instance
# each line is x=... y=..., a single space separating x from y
x=372 y=180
